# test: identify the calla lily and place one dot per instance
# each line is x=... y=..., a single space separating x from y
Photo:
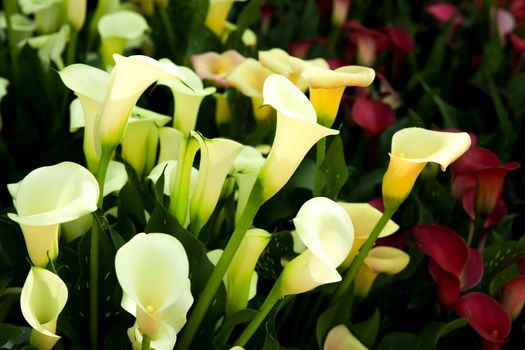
x=412 y=149
x=90 y=85
x=43 y=297
x=279 y=61
x=141 y=139
x=382 y=259
x=188 y=98
x=47 y=197
x=46 y=13
x=152 y=270
x=364 y=217
x=165 y=338
x=76 y=13
x=327 y=231
x=223 y=114
x=50 y=46
x=215 y=67
x=445 y=12
x=217 y=156
x=249 y=77
x=327 y=86
x=297 y=131
x=170 y=140
x=4 y=83
x=479 y=174
x=340 y=338
x=22 y=26
x=513 y=296
x=116 y=29
x=368 y=42
x=372 y=115
x=248 y=36
x=242 y=269
x=340 y=10
x=453 y=266
x=217 y=14
x=488 y=318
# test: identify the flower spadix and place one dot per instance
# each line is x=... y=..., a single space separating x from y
x=43 y=297
x=47 y=197
x=412 y=149
x=188 y=98
x=327 y=231
x=297 y=131
x=152 y=270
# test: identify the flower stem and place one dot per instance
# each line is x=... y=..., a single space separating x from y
x=267 y=306
x=363 y=252
x=72 y=46
x=103 y=165
x=215 y=280
x=93 y=285
x=321 y=150
x=168 y=30
x=10 y=8
x=146 y=342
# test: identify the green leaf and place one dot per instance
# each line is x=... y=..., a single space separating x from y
x=367 y=331
x=334 y=168
x=8 y=332
x=338 y=313
x=448 y=112
x=502 y=277
x=498 y=256
x=398 y=341
x=428 y=338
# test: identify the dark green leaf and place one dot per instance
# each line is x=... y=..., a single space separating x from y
x=334 y=168
x=8 y=332
x=367 y=331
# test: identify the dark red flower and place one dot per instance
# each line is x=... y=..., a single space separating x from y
x=300 y=48
x=512 y=296
x=488 y=318
x=444 y=12
x=400 y=39
x=372 y=115
x=453 y=265
x=369 y=43
x=517 y=43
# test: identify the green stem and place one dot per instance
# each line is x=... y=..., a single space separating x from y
x=93 y=285
x=475 y=234
x=72 y=46
x=363 y=252
x=168 y=30
x=180 y=194
x=103 y=165
x=267 y=306
x=321 y=150
x=9 y=9
x=146 y=342
x=215 y=280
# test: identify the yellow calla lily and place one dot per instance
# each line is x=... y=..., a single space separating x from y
x=43 y=297
x=217 y=14
x=364 y=217
x=382 y=259
x=412 y=149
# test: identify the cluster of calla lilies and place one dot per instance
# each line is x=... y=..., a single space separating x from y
x=331 y=238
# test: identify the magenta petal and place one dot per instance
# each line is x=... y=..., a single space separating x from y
x=517 y=43
x=444 y=246
x=400 y=39
x=444 y=12
x=373 y=116
x=513 y=296
x=488 y=317
x=473 y=271
x=448 y=285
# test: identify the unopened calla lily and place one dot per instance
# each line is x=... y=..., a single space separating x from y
x=43 y=297
x=412 y=149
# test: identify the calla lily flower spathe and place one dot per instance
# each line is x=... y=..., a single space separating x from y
x=340 y=338
x=327 y=231
x=152 y=270
x=297 y=131
x=215 y=67
x=217 y=14
x=48 y=197
x=412 y=149
x=43 y=297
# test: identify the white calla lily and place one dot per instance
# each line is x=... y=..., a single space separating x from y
x=340 y=338
x=48 y=197
x=43 y=297
x=217 y=156
x=118 y=28
x=152 y=270
x=327 y=231
x=188 y=98
x=50 y=46
x=170 y=140
x=297 y=131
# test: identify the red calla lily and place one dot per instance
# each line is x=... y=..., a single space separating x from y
x=488 y=318
x=372 y=115
x=513 y=296
x=453 y=265
x=400 y=39
x=444 y=12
